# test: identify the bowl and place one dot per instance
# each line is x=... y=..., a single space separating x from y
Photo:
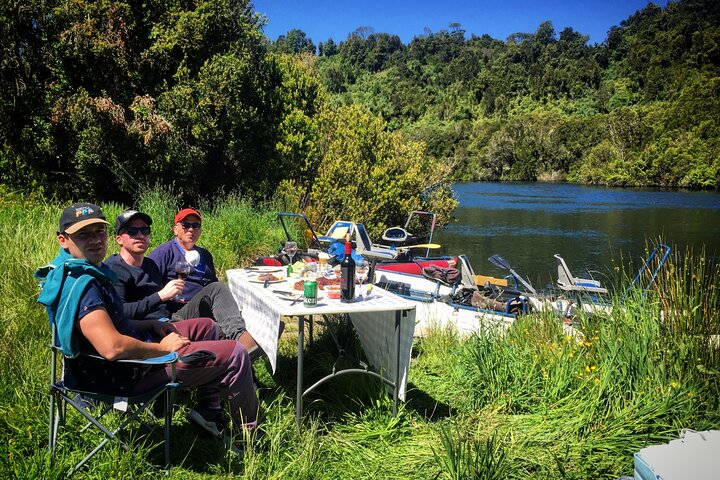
x=332 y=291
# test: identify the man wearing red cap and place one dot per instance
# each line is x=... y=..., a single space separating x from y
x=217 y=300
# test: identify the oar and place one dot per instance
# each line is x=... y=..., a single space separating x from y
x=499 y=261
x=425 y=245
x=428 y=246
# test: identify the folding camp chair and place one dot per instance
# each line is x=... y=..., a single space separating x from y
x=94 y=405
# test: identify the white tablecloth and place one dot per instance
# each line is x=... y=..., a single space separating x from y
x=373 y=319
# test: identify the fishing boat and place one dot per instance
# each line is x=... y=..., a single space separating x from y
x=399 y=253
x=468 y=303
x=471 y=304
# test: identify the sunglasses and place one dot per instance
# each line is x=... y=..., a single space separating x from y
x=133 y=231
x=189 y=225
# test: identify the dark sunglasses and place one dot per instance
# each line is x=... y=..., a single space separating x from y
x=189 y=225
x=133 y=231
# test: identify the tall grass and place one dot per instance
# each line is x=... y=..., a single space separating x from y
x=533 y=403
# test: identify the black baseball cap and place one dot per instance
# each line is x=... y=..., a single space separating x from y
x=128 y=215
x=80 y=215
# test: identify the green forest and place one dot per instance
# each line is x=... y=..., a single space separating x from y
x=102 y=100
x=640 y=108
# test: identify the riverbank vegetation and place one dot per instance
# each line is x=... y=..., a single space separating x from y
x=534 y=403
x=101 y=100
x=637 y=109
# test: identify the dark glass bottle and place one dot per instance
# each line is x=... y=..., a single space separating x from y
x=347 y=274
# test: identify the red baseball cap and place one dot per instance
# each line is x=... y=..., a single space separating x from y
x=185 y=212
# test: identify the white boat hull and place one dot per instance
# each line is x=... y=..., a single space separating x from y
x=433 y=314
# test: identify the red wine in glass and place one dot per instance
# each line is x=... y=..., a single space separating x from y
x=182 y=270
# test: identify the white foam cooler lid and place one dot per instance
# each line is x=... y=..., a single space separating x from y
x=695 y=455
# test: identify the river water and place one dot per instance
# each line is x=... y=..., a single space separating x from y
x=526 y=223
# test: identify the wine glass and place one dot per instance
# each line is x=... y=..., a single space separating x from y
x=290 y=250
x=182 y=270
x=361 y=273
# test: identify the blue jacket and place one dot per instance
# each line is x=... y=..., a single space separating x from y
x=63 y=282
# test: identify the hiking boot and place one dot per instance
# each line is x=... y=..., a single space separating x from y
x=212 y=421
x=241 y=441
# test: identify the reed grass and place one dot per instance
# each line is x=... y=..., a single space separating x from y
x=533 y=403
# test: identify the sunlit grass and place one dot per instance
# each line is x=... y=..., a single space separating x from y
x=533 y=403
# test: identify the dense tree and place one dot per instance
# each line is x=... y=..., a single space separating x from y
x=327 y=49
x=556 y=108
x=296 y=41
x=100 y=98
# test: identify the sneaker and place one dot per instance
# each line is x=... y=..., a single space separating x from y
x=212 y=421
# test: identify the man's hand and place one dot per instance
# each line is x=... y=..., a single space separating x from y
x=171 y=290
x=173 y=342
x=156 y=327
x=161 y=329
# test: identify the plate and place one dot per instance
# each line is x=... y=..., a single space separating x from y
x=285 y=294
x=295 y=298
x=264 y=269
x=257 y=280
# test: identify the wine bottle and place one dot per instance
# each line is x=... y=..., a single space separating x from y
x=347 y=274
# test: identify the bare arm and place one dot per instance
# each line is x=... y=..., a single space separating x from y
x=98 y=328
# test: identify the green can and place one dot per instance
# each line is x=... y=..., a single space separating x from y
x=310 y=293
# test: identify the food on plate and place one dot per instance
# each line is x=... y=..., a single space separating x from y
x=267 y=276
x=321 y=281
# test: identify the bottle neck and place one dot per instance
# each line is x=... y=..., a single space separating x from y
x=348 y=248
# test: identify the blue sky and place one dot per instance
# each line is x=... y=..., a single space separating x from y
x=408 y=18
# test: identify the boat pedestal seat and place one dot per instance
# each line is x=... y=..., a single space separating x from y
x=569 y=283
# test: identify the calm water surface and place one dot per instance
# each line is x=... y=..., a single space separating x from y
x=526 y=223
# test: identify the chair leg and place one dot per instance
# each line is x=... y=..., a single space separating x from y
x=169 y=403
x=52 y=427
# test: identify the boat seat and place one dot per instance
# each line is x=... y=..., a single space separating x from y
x=569 y=283
x=369 y=250
x=337 y=231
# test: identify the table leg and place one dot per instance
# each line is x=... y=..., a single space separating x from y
x=299 y=396
x=396 y=390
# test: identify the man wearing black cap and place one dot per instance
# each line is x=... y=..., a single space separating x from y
x=89 y=315
x=140 y=285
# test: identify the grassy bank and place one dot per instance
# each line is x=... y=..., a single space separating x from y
x=532 y=404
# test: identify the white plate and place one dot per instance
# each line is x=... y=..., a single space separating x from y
x=257 y=280
x=297 y=298
x=264 y=269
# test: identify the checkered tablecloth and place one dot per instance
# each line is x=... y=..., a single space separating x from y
x=373 y=319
